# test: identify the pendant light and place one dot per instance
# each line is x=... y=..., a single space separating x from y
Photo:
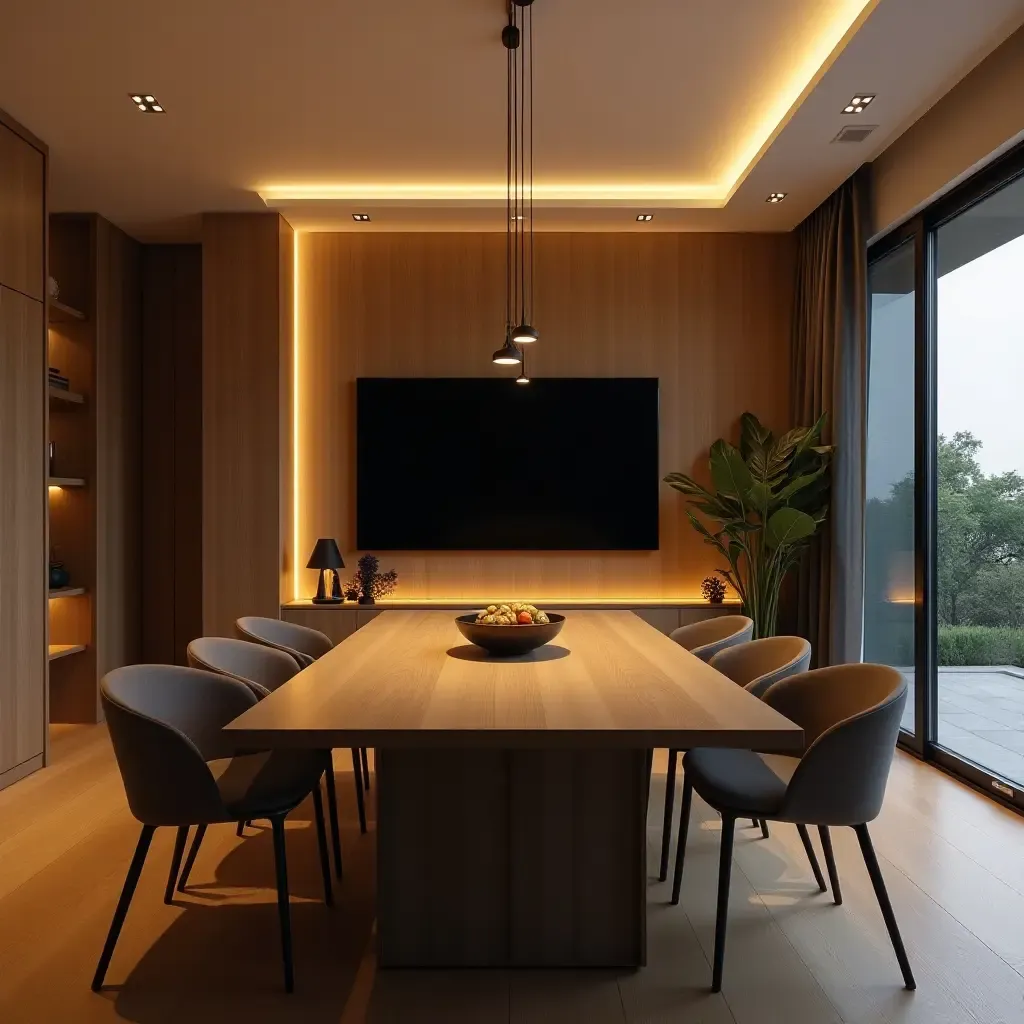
x=517 y=37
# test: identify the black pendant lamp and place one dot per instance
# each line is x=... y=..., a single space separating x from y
x=517 y=37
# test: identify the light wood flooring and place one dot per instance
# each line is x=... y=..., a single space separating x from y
x=954 y=863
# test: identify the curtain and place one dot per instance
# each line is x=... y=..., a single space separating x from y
x=829 y=374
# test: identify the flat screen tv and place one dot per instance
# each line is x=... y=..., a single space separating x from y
x=459 y=464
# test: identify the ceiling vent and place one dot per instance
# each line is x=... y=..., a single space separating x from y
x=855 y=133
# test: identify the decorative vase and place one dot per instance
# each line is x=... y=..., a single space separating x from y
x=59 y=576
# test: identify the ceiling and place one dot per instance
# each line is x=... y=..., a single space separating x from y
x=692 y=109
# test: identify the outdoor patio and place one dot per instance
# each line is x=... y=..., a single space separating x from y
x=981 y=716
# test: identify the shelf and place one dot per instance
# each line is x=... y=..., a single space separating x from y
x=65 y=481
x=456 y=604
x=60 y=313
x=66 y=396
x=63 y=650
x=66 y=592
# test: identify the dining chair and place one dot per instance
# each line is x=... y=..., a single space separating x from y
x=754 y=665
x=850 y=715
x=305 y=645
x=263 y=670
x=703 y=639
x=165 y=721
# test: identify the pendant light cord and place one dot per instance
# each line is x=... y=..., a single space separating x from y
x=530 y=17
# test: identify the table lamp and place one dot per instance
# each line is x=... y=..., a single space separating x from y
x=326 y=556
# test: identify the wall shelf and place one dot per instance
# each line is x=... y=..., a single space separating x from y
x=66 y=396
x=63 y=650
x=65 y=481
x=66 y=592
x=61 y=313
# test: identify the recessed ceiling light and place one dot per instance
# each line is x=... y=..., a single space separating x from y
x=361 y=217
x=146 y=102
x=776 y=197
x=858 y=103
x=645 y=217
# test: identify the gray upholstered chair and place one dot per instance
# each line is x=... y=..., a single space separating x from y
x=166 y=726
x=305 y=645
x=754 y=665
x=703 y=639
x=263 y=670
x=850 y=715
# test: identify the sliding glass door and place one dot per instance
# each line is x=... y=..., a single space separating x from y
x=944 y=542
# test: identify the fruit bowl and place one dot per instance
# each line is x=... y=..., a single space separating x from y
x=508 y=641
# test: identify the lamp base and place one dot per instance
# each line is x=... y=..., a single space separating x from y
x=326 y=600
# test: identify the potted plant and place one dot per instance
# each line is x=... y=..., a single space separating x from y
x=769 y=497
x=713 y=589
x=369 y=583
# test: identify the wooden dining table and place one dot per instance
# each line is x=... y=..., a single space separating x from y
x=512 y=792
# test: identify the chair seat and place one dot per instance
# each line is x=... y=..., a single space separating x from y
x=739 y=781
x=254 y=785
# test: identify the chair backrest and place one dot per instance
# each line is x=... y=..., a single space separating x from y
x=706 y=638
x=850 y=715
x=758 y=664
x=262 y=669
x=301 y=642
x=165 y=721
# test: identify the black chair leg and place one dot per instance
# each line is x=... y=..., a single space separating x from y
x=809 y=850
x=283 y=909
x=191 y=858
x=179 y=848
x=357 y=770
x=332 y=811
x=878 y=883
x=240 y=831
x=684 y=828
x=366 y=768
x=722 y=916
x=321 y=842
x=755 y=822
x=121 y=911
x=764 y=829
x=830 y=863
x=666 y=827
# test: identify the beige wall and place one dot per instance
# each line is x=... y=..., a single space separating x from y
x=708 y=314
x=980 y=117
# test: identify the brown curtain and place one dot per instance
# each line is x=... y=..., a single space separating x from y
x=829 y=374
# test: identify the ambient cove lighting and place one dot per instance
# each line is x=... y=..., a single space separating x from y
x=805 y=71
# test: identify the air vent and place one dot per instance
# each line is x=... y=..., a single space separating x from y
x=855 y=133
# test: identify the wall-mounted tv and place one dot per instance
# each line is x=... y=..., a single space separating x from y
x=460 y=464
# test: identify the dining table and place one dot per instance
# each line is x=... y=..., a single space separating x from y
x=511 y=793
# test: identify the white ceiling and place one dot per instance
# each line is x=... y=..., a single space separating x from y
x=694 y=109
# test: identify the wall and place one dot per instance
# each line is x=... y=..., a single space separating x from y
x=246 y=415
x=707 y=314
x=172 y=470
x=982 y=116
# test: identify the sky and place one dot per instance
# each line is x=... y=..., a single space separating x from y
x=980 y=368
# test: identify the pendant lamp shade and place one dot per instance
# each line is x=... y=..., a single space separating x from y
x=524 y=334
x=508 y=354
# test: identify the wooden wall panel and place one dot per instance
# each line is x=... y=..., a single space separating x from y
x=172 y=604
x=709 y=314
x=245 y=272
x=22 y=216
x=22 y=530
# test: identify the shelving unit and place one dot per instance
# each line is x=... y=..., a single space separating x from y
x=58 y=651
x=65 y=481
x=60 y=395
x=62 y=313
x=66 y=592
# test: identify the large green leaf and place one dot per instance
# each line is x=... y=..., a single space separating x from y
x=728 y=470
x=798 y=483
x=787 y=526
x=754 y=436
x=760 y=495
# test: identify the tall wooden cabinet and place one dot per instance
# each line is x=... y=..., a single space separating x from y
x=23 y=519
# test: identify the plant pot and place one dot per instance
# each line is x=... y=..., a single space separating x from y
x=715 y=600
x=366 y=599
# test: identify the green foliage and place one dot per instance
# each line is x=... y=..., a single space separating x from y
x=981 y=645
x=770 y=496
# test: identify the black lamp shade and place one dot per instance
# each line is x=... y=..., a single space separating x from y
x=524 y=334
x=326 y=555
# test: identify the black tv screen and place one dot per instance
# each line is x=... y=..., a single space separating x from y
x=559 y=464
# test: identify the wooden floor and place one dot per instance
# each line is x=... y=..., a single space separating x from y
x=954 y=863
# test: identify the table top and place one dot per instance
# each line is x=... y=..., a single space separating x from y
x=409 y=679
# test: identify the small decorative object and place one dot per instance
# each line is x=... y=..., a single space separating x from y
x=53 y=455
x=326 y=556
x=369 y=583
x=766 y=501
x=52 y=288
x=506 y=630
x=59 y=576
x=351 y=591
x=713 y=589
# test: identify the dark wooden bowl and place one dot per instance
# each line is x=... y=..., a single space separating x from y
x=508 y=641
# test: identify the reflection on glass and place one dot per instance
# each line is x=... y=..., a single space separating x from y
x=889 y=517
x=980 y=578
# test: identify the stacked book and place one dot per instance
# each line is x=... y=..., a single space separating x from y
x=58 y=380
